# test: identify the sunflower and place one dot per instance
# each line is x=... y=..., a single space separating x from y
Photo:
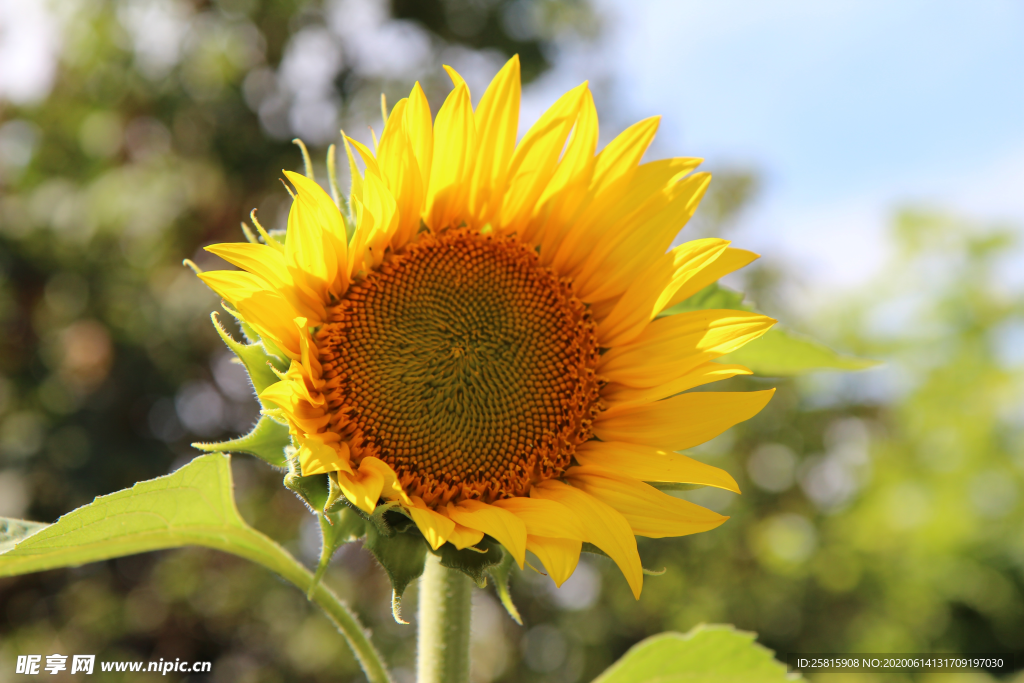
x=483 y=341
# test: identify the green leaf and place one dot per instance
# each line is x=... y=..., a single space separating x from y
x=500 y=574
x=192 y=506
x=313 y=490
x=707 y=654
x=267 y=440
x=402 y=556
x=781 y=353
x=714 y=296
x=13 y=531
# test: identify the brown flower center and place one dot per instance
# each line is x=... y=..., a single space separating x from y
x=464 y=365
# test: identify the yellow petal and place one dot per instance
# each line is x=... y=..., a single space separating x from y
x=455 y=135
x=730 y=260
x=356 y=186
x=258 y=259
x=497 y=123
x=378 y=220
x=690 y=258
x=634 y=311
x=544 y=517
x=366 y=155
x=315 y=206
x=535 y=159
x=392 y=489
x=504 y=526
x=435 y=527
x=619 y=396
x=317 y=457
x=578 y=161
x=273 y=318
x=568 y=187
x=419 y=127
x=232 y=285
x=319 y=202
x=558 y=555
x=457 y=79
x=649 y=512
x=361 y=488
x=632 y=197
x=622 y=154
x=682 y=421
x=305 y=418
x=672 y=346
x=648 y=463
x=605 y=528
x=637 y=242
x=307 y=252
x=462 y=537
x=402 y=174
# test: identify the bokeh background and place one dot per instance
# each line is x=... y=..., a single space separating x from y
x=872 y=151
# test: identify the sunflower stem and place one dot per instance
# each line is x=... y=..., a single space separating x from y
x=266 y=552
x=446 y=597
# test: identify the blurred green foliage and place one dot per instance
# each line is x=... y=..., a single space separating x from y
x=881 y=511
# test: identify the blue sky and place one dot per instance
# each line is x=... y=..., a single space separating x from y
x=848 y=108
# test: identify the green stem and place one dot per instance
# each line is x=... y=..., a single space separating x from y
x=446 y=597
x=277 y=559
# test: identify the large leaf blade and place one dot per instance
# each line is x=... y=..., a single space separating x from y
x=782 y=353
x=707 y=654
x=191 y=506
x=779 y=352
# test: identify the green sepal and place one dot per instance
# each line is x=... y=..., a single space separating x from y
x=267 y=441
x=336 y=529
x=312 y=490
x=254 y=357
x=473 y=562
x=389 y=518
x=335 y=498
x=500 y=575
x=402 y=555
x=277 y=358
x=345 y=526
x=594 y=550
x=251 y=336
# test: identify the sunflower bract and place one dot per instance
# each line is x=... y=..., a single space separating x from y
x=486 y=350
